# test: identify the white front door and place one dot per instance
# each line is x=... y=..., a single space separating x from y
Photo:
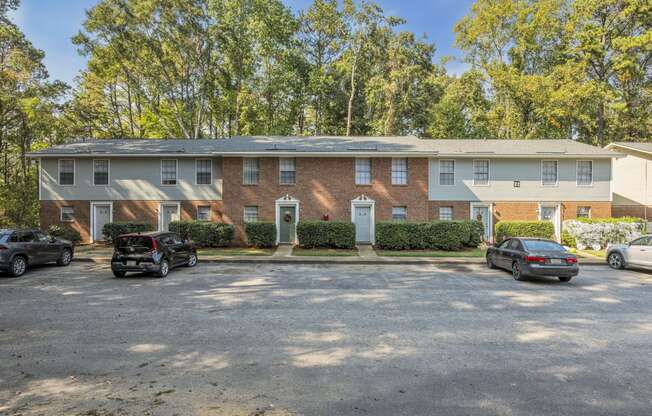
x=101 y=216
x=363 y=224
x=482 y=213
x=169 y=213
x=551 y=213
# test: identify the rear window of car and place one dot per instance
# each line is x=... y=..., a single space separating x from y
x=134 y=241
x=536 y=245
x=4 y=237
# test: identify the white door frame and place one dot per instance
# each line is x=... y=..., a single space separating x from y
x=286 y=201
x=93 y=204
x=160 y=211
x=557 y=221
x=490 y=205
x=366 y=202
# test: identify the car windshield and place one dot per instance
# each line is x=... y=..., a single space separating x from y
x=4 y=237
x=134 y=241
x=538 y=245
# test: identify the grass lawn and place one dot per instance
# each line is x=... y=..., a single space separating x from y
x=432 y=253
x=324 y=252
x=235 y=251
x=596 y=253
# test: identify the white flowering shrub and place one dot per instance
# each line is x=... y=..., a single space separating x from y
x=598 y=233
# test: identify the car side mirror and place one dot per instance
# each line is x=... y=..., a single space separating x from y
x=53 y=239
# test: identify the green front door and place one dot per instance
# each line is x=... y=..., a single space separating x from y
x=287 y=221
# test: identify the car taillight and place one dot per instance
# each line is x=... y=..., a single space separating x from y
x=154 y=244
x=571 y=260
x=535 y=259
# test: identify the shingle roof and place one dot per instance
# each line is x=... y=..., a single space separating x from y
x=327 y=144
x=642 y=147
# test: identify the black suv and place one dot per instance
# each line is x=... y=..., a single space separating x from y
x=155 y=252
x=22 y=248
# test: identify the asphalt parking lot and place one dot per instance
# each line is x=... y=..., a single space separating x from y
x=224 y=339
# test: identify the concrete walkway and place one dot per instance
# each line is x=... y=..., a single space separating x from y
x=366 y=251
x=283 y=250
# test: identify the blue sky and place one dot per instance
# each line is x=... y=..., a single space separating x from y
x=50 y=24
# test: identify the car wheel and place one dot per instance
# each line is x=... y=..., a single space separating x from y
x=517 y=273
x=565 y=278
x=192 y=260
x=17 y=266
x=65 y=258
x=164 y=269
x=490 y=263
x=119 y=274
x=616 y=261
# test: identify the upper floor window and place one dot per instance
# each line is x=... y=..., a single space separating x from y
x=287 y=171
x=549 y=172
x=399 y=213
x=66 y=172
x=204 y=171
x=399 y=171
x=583 y=212
x=447 y=172
x=446 y=213
x=203 y=213
x=168 y=172
x=481 y=172
x=101 y=172
x=251 y=171
x=363 y=171
x=584 y=172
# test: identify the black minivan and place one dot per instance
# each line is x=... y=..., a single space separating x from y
x=155 y=252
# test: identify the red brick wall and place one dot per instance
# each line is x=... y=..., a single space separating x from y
x=461 y=209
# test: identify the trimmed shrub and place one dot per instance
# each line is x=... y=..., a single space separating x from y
x=540 y=229
x=111 y=230
x=326 y=234
x=65 y=233
x=261 y=234
x=204 y=233
x=597 y=233
x=435 y=235
x=567 y=239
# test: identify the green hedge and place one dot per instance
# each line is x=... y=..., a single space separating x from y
x=326 y=234
x=567 y=239
x=261 y=234
x=111 y=230
x=610 y=220
x=204 y=233
x=64 y=232
x=435 y=235
x=540 y=229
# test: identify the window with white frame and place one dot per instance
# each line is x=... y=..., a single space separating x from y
x=287 y=171
x=66 y=172
x=251 y=214
x=101 y=172
x=168 y=172
x=446 y=213
x=447 y=172
x=481 y=172
x=67 y=214
x=204 y=213
x=399 y=213
x=399 y=171
x=549 y=172
x=584 y=172
x=251 y=171
x=204 y=171
x=583 y=212
x=363 y=171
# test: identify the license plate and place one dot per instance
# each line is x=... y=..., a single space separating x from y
x=131 y=263
x=555 y=261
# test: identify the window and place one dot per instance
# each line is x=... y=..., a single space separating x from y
x=66 y=172
x=251 y=214
x=549 y=172
x=203 y=213
x=480 y=172
x=26 y=237
x=540 y=245
x=399 y=213
x=446 y=213
x=251 y=171
x=583 y=212
x=67 y=214
x=447 y=172
x=399 y=171
x=363 y=171
x=643 y=241
x=288 y=173
x=204 y=171
x=584 y=172
x=41 y=236
x=168 y=172
x=101 y=172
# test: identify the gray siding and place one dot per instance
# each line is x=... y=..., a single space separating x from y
x=130 y=179
x=503 y=173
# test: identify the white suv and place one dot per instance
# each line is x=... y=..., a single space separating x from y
x=635 y=253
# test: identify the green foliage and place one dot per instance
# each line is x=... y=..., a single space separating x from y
x=261 y=234
x=436 y=235
x=540 y=229
x=111 y=230
x=204 y=233
x=326 y=234
x=611 y=220
x=64 y=232
x=567 y=239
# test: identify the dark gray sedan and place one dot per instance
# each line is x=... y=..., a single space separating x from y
x=22 y=248
x=533 y=257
